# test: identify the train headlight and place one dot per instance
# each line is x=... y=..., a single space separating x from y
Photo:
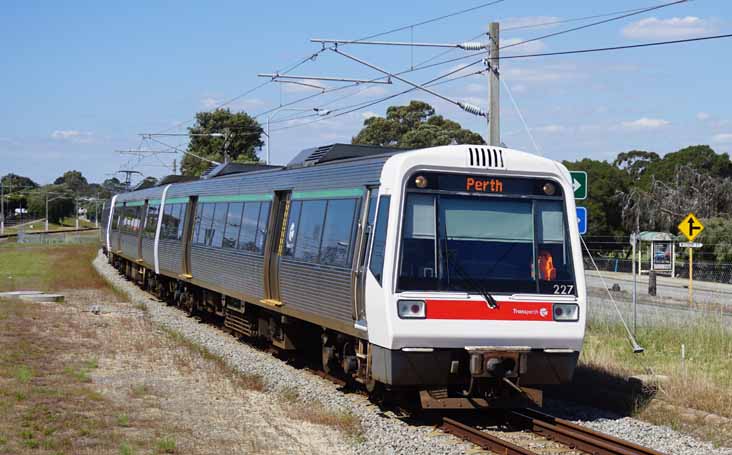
x=566 y=312
x=411 y=309
x=549 y=189
x=421 y=182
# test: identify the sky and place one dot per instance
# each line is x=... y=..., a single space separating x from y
x=81 y=80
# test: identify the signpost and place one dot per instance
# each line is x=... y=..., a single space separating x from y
x=579 y=184
x=691 y=227
x=582 y=220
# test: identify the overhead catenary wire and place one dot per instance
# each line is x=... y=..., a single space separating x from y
x=521 y=116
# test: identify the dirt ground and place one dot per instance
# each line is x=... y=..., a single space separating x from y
x=75 y=382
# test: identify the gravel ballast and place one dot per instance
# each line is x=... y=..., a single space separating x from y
x=382 y=433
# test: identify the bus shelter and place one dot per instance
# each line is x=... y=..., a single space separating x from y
x=661 y=250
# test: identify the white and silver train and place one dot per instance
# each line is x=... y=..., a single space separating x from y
x=452 y=271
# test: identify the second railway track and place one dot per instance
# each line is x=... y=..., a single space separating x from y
x=569 y=434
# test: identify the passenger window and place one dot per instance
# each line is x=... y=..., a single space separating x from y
x=151 y=222
x=204 y=231
x=376 y=264
x=337 y=237
x=197 y=222
x=219 y=224
x=262 y=226
x=309 y=233
x=293 y=220
x=233 y=223
x=248 y=232
x=180 y=215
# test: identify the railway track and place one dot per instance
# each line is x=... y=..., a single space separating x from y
x=573 y=436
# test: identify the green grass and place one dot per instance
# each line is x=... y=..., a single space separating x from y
x=23 y=374
x=48 y=267
x=126 y=449
x=700 y=381
x=123 y=420
x=166 y=445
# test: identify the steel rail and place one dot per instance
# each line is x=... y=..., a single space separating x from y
x=576 y=436
x=482 y=439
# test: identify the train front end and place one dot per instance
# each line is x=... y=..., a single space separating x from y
x=476 y=286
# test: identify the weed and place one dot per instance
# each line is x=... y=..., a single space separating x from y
x=23 y=374
x=139 y=391
x=123 y=420
x=125 y=449
x=166 y=445
x=289 y=394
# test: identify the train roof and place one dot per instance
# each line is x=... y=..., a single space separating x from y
x=344 y=166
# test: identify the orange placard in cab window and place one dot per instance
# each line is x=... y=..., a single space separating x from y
x=547 y=271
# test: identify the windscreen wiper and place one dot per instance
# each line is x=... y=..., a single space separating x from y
x=475 y=285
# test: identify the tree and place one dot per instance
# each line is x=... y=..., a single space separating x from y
x=11 y=181
x=60 y=202
x=73 y=180
x=414 y=126
x=635 y=162
x=242 y=138
x=701 y=158
x=113 y=186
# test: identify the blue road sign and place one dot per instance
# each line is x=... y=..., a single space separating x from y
x=582 y=220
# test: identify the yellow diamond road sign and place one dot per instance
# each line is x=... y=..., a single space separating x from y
x=691 y=227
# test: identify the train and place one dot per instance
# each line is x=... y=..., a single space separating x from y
x=453 y=272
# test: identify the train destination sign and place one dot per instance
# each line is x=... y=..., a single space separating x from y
x=484 y=184
x=691 y=227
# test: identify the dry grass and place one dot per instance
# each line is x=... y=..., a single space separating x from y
x=701 y=381
x=316 y=413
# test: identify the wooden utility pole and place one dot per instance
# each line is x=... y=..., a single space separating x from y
x=494 y=111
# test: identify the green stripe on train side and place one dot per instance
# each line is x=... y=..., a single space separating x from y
x=237 y=198
x=153 y=202
x=176 y=200
x=328 y=194
x=134 y=203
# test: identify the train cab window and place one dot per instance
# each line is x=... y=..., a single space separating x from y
x=310 y=231
x=248 y=232
x=262 y=225
x=218 y=225
x=418 y=243
x=233 y=224
x=376 y=264
x=554 y=263
x=337 y=232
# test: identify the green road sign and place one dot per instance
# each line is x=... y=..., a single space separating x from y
x=579 y=183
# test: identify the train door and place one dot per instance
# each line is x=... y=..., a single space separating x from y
x=189 y=225
x=274 y=245
x=141 y=230
x=365 y=227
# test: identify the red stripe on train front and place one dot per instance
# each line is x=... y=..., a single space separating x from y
x=476 y=309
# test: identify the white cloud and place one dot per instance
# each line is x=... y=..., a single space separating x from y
x=547 y=73
x=550 y=129
x=722 y=138
x=368 y=114
x=476 y=88
x=645 y=123
x=77 y=137
x=672 y=28
x=528 y=21
x=527 y=48
x=703 y=116
x=373 y=90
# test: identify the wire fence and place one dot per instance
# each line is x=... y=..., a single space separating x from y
x=703 y=270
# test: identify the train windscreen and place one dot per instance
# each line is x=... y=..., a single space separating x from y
x=512 y=241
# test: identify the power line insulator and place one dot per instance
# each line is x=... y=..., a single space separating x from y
x=475 y=110
x=472 y=46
